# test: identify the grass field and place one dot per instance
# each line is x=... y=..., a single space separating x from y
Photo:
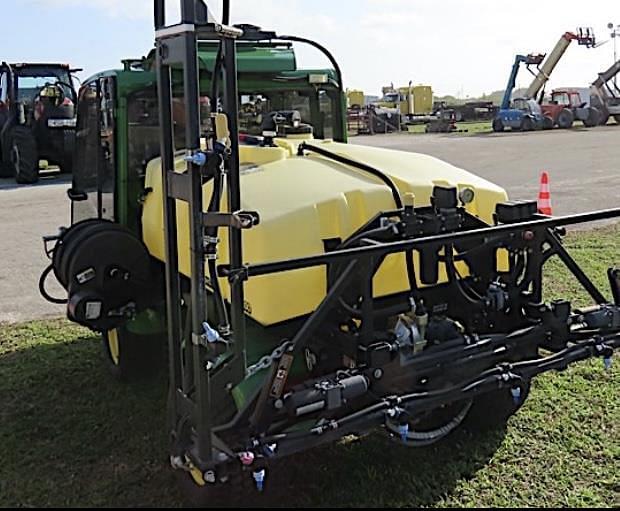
x=70 y=436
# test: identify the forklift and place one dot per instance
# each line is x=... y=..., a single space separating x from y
x=530 y=112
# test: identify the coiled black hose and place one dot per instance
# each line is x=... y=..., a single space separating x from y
x=43 y=291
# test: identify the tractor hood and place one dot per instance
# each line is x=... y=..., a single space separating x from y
x=303 y=201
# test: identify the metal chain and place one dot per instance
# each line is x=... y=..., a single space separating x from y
x=267 y=360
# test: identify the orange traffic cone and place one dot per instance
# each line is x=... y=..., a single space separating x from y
x=544 y=196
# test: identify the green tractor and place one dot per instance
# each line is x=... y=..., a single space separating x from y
x=301 y=288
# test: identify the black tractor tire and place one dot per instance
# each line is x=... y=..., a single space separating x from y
x=24 y=155
x=492 y=410
x=547 y=123
x=6 y=169
x=527 y=124
x=566 y=119
x=604 y=119
x=131 y=357
x=498 y=125
x=593 y=119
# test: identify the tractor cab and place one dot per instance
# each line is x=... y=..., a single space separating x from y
x=118 y=124
x=528 y=106
x=32 y=81
x=567 y=98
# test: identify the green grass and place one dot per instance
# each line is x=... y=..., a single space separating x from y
x=70 y=436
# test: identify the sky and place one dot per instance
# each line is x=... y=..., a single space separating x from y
x=460 y=47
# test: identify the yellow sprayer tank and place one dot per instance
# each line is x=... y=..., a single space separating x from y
x=304 y=201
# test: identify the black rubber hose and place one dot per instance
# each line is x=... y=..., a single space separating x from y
x=411 y=275
x=365 y=234
x=44 y=293
x=214 y=206
x=413 y=283
x=453 y=277
x=217 y=68
x=216 y=196
x=322 y=49
x=358 y=165
x=492 y=376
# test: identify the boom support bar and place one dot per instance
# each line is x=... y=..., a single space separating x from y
x=383 y=249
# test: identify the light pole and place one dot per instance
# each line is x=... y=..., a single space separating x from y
x=615 y=32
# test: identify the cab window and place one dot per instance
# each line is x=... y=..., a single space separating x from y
x=4 y=79
x=94 y=167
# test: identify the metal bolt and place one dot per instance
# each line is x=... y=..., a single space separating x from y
x=528 y=235
x=377 y=374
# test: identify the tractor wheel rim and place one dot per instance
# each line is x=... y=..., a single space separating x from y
x=113 y=346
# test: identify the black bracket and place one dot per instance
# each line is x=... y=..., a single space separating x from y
x=614 y=282
x=178 y=185
x=234 y=274
x=238 y=220
x=54 y=238
x=76 y=195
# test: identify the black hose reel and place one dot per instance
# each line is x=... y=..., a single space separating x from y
x=107 y=272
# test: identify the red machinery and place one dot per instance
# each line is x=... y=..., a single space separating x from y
x=567 y=105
